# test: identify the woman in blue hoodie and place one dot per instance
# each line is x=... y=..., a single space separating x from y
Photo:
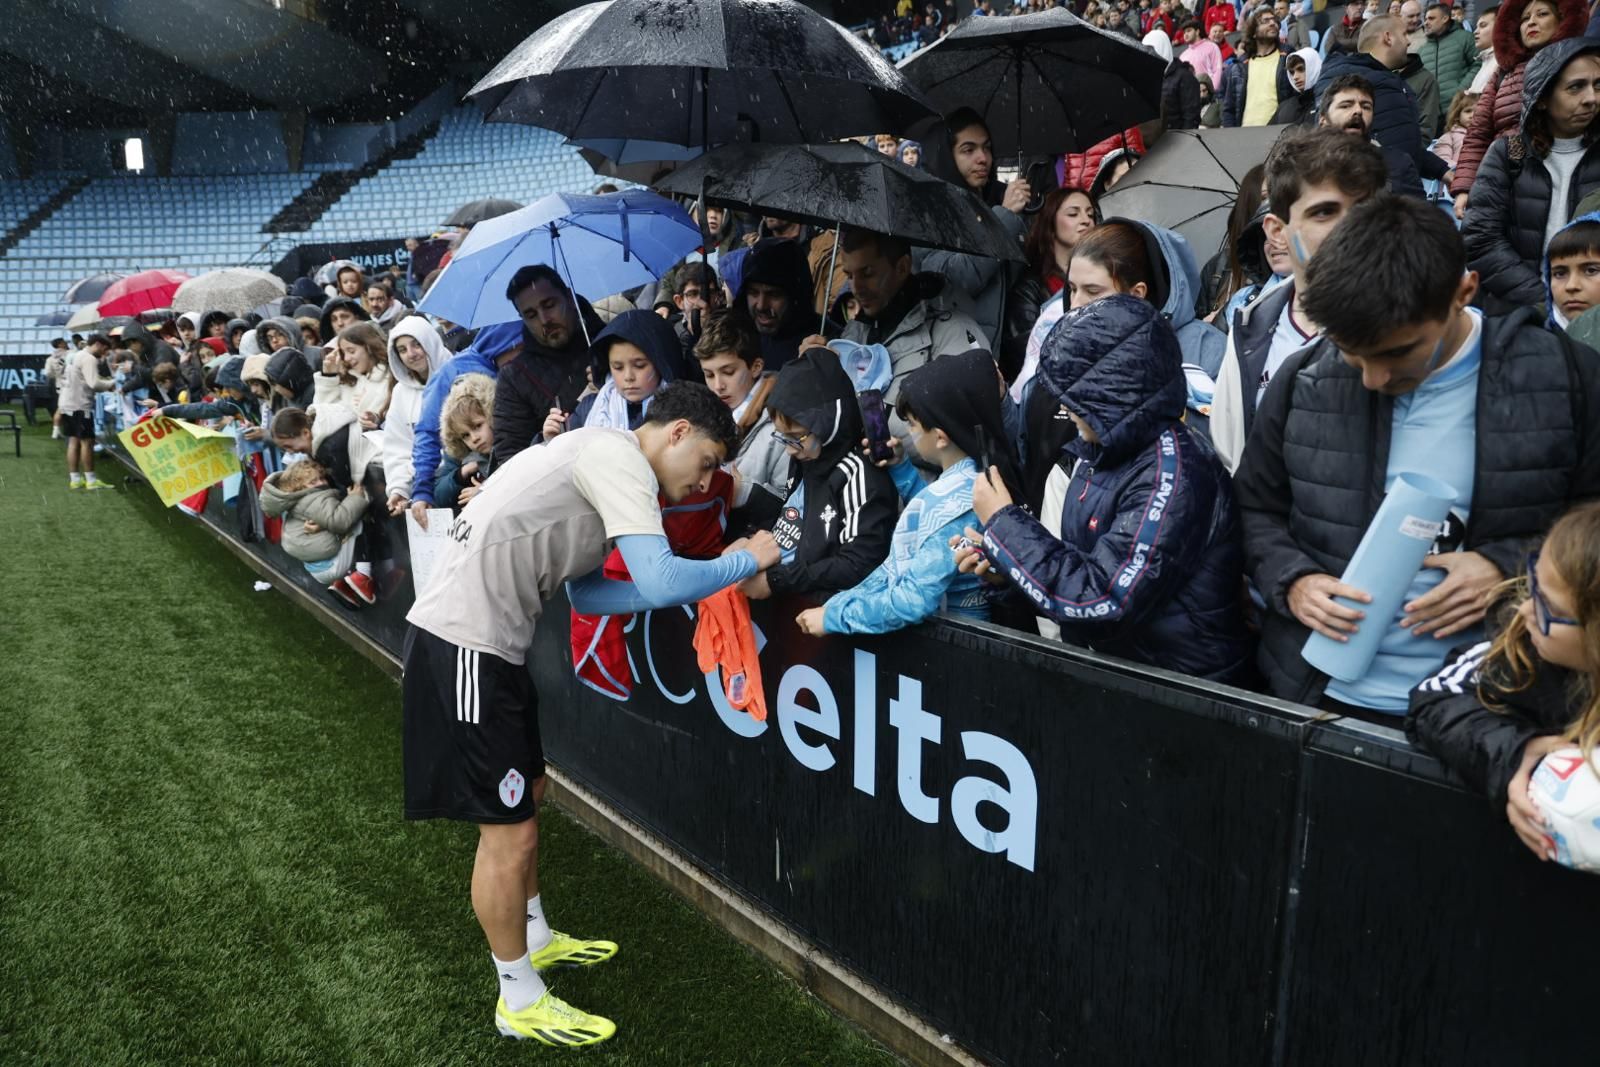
x=1145 y=559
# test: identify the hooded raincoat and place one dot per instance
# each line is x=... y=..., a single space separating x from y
x=1145 y=559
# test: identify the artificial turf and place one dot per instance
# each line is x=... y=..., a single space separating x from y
x=202 y=857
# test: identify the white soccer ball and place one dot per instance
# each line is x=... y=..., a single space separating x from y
x=1567 y=791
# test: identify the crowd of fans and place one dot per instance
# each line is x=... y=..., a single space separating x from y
x=1113 y=444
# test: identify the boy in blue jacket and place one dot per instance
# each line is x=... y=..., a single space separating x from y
x=952 y=407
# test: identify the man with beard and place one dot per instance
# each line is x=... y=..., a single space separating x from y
x=551 y=371
x=1394 y=106
x=1347 y=107
x=775 y=296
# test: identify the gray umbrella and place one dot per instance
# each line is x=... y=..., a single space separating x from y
x=1044 y=83
x=699 y=72
x=847 y=183
x=633 y=160
x=479 y=210
x=233 y=289
x=1189 y=182
x=54 y=318
x=88 y=290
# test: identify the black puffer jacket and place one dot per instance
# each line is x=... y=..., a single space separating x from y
x=1022 y=311
x=1180 y=97
x=537 y=380
x=1484 y=747
x=1394 y=121
x=1149 y=565
x=1511 y=197
x=1312 y=474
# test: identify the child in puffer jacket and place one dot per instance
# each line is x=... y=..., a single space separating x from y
x=952 y=407
x=1142 y=558
x=302 y=497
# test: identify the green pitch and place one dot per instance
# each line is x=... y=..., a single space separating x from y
x=202 y=858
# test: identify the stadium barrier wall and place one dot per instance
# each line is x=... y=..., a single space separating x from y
x=1051 y=856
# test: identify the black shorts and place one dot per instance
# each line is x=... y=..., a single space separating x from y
x=472 y=746
x=78 y=424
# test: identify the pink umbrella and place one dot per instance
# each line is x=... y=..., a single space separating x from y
x=146 y=291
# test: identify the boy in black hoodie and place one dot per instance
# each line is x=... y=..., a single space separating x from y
x=837 y=522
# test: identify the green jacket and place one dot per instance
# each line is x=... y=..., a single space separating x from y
x=1453 y=60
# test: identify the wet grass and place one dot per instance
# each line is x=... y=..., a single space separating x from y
x=202 y=858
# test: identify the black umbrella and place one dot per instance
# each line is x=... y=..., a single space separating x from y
x=828 y=185
x=1190 y=180
x=54 y=318
x=88 y=290
x=479 y=210
x=1044 y=83
x=699 y=72
x=631 y=159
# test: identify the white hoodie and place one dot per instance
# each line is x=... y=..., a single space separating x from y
x=405 y=403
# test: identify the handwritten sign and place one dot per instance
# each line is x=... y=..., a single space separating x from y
x=428 y=546
x=180 y=458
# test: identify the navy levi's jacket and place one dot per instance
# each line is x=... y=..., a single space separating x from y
x=1150 y=563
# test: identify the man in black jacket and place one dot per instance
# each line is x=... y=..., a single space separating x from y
x=1394 y=118
x=1409 y=381
x=551 y=371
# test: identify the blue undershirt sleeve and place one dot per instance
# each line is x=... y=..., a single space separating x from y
x=660 y=579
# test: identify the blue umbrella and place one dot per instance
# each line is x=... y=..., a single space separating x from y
x=602 y=245
x=54 y=318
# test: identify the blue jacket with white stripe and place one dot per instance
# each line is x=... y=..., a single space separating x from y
x=1150 y=564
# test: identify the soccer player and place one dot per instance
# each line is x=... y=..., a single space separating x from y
x=472 y=743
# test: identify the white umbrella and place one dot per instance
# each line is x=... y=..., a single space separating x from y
x=85 y=318
x=232 y=289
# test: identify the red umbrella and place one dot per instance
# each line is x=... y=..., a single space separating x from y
x=146 y=291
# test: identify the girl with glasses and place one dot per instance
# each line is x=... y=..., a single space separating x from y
x=1500 y=706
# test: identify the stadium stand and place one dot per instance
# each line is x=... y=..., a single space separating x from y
x=199 y=223
x=131 y=223
x=468 y=159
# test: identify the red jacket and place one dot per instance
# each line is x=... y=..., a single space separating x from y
x=1499 y=110
x=1223 y=13
x=1079 y=168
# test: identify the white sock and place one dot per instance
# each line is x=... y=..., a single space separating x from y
x=73 y=477
x=364 y=568
x=520 y=984
x=539 y=934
